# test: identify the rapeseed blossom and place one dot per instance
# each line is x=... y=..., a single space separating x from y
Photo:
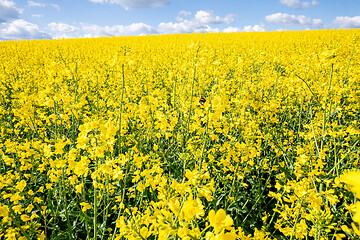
x=352 y=179
x=110 y=137
x=192 y=208
x=219 y=220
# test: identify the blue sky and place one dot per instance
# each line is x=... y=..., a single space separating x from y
x=38 y=19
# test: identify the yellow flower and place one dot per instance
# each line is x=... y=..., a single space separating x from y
x=356 y=216
x=78 y=188
x=4 y=211
x=227 y=236
x=41 y=236
x=34 y=215
x=11 y=234
x=15 y=198
x=221 y=236
x=24 y=218
x=192 y=208
x=17 y=208
x=29 y=208
x=37 y=200
x=183 y=232
x=85 y=206
x=353 y=180
x=144 y=233
x=174 y=205
x=59 y=145
x=20 y=185
x=81 y=167
x=220 y=220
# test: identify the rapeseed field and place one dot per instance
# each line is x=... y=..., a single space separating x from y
x=185 y=136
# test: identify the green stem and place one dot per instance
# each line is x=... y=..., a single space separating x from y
x=65 y=202
x=297 y=218
x=257 y=200
x=300 y=117
x=95 y=205
x=232 y=185
x=203 y=231
x=121 y=103
x=191 y=97
x=122 y=198
x=205 y=138
x=180 y=208
x=343 y=158
x=336 y=158
x=317 y=100
x=314 y=135
x=174 y=93
x=324 y=110
x=55 y=113
x=106 y=211
x=276 y=80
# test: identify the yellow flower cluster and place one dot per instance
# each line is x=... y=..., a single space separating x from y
x=185 y=136
x=352 y=179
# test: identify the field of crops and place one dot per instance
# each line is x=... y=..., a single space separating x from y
x=106 y=138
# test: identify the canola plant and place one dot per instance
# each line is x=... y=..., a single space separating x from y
x=185 y=136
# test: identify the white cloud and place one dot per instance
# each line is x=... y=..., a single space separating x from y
x=62 y=27
x=21 y=29
x=200 y=23
x=209 y=17
x=255 y=28
x=8 y=11
x=284 y=18
x=38 y=4
x=132 y=4
x=232 y=29
x=182 y=14
x=13 y=28
x=117 y=30
x=182 y=27
x=297 y=4
x=185 y=26
x=347 y=22
x=248 y=28
x=54 y=6
x=314 y=2
x=37 y=15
